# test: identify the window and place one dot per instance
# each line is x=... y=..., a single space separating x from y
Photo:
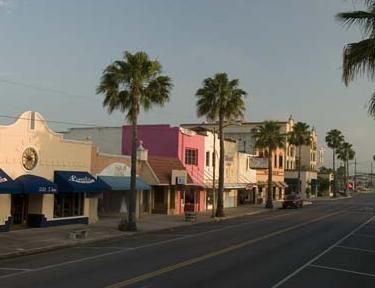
x=275 y=161
x=191 y=156
x=32 y=121
x=213 y=159
x=281 y=161
x=207 y=159
x=68 y=205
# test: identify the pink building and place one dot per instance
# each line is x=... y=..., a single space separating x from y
x=175 y=142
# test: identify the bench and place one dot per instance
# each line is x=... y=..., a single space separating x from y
x=79 y=234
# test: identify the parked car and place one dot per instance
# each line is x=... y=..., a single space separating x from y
x=293 y=201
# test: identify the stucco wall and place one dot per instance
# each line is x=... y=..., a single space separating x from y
x=107 y=139
x=160 y=140
x=5 y=202
x=192 y=140
x=54 y=153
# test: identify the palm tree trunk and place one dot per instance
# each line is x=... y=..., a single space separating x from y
x=334 y=172
x=299 y=170
x=220 y=203
x=269 y=203
x=132 y=226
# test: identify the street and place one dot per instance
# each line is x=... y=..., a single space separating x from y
x=327 y=244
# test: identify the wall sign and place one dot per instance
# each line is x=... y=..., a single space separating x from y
x=81 y=180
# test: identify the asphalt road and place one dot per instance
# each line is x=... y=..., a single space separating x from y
x=328 y=244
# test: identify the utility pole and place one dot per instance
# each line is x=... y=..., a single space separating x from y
x=355 y=174
x=371 y=173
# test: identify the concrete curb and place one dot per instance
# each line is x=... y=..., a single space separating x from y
x=332 y=199
x=49 y=248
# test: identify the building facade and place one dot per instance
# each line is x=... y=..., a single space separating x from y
x=174 y=142
x=50 y=176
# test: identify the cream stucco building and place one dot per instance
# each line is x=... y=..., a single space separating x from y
x=52 y=185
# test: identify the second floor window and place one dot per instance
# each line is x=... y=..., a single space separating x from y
x=281 y=161
x=191 y=156
x=207 y=159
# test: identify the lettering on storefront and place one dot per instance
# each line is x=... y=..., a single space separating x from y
x=47 y=189
x=81 y=180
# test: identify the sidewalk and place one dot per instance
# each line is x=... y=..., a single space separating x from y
x=37 y=240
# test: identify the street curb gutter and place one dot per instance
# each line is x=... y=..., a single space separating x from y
x=41 y=250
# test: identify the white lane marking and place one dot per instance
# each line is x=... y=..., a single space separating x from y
x=139 y=247
x=363 y=235
x=355 y=249
x=104 y=247
x=15 y=269
x=282 y=281
x=342 y=270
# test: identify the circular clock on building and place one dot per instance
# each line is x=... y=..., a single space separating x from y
x=29 y=158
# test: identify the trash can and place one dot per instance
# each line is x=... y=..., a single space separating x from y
x=189 y=211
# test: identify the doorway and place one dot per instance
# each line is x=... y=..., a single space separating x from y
x=19 y=210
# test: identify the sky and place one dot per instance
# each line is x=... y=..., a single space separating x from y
x=287 y=55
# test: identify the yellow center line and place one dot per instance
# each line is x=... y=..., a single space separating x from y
x=228 y=249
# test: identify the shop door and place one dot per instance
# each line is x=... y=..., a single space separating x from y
x=20 y=205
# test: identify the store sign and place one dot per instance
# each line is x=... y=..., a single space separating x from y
x=116 y=169
x=180 y=180
x=47 y=190
x=3 y=179
x=81 y=180
x=259 y=163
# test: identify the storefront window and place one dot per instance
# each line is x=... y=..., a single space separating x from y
x=68 y=204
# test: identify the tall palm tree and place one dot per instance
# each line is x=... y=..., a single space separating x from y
x=334 y=139
x=359 y=57
x=268 y=136
x=220 y=99
x=300 y=136
x=345 y=153
x=128 y=85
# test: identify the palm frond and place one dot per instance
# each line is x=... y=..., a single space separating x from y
x=364 y=19
x=220 y=97
x=371 y=107
x=134 y=83
x=359 y=59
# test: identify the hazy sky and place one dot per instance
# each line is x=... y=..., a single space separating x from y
x=287 y=55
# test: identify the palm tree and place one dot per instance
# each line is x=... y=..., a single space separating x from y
x=128 y=85
x=345 y=153
x=220 y=99
x=300 y=136
x=359 y=57
x=268 y=136
x=334 y=139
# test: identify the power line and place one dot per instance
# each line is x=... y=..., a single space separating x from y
x=40 y=88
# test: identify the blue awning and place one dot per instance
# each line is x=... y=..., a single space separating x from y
x=7 y=185
x=32 y=184
x=78 y=182
x=122 y=183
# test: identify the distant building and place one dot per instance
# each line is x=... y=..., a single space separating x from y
x=107 y=139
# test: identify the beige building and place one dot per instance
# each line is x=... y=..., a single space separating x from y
x=114 y=170
x=243 y=136
x=52 y=184
x=239 y=178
